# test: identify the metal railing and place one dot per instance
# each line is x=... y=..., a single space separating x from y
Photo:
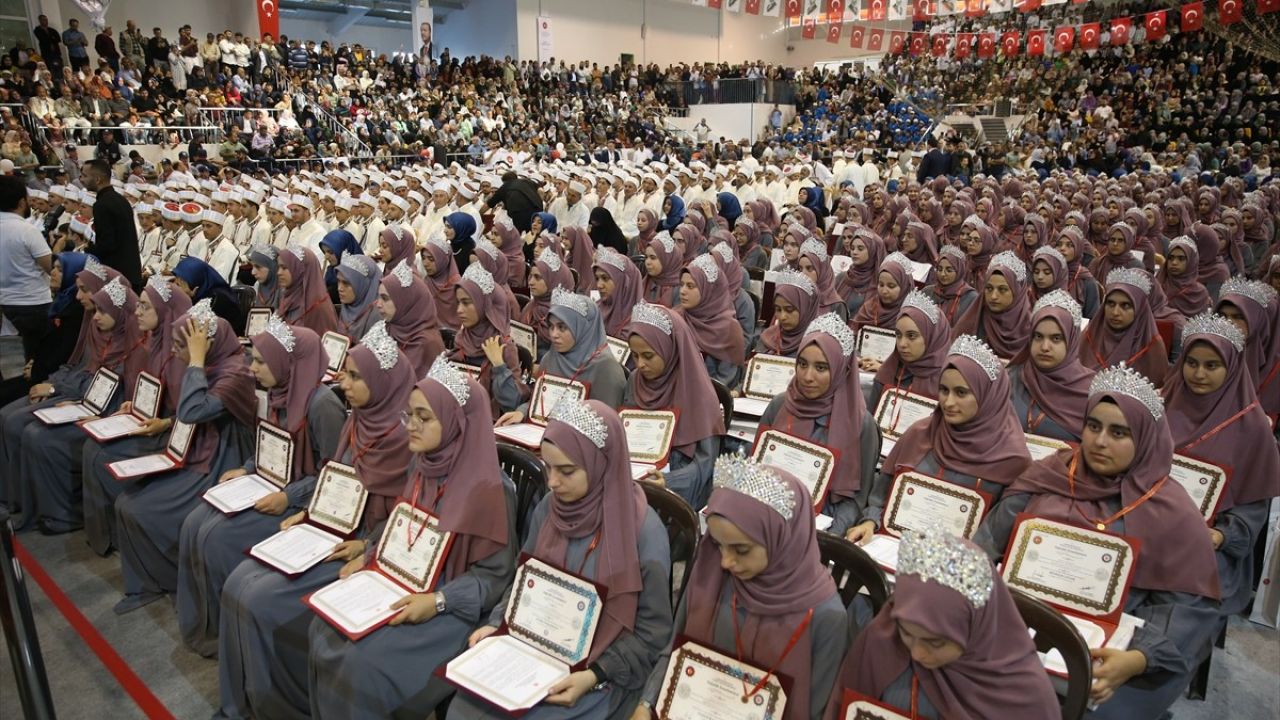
x=20 y=631
x=142 y=135
x=683 y=94
x=335 y=127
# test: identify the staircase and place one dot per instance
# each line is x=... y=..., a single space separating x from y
x=993 y=129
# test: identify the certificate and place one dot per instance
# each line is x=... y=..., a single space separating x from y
x=649 y=434
x=549 y=390
x=472 y=371
x=1095 y=636
x=553 y=611
x=526 y=434
x=506 y=672
x=898 y=410
x=413 y=547
x=525 y=337
x=335 y=347
x=339 y=498
x=1203 y=481
x=256 y=322
x=767 y=376
x=1042 y=447
x=274 y=454
x=297 y=549
x=111 y=426
x=174 y=453
x=840 y=264
x=63 y=414
x=920 y=272
x=917 y=502
x=1073 y=568
x=264 y=403
x=884 y=550
x=620 y=349
x=146 y=396
x=750 y=406
x=239 y=494
x=101 y=388
x=856 y=706
x=812 y=464
x=876 y=343
x=702 y=684
x=359 y=603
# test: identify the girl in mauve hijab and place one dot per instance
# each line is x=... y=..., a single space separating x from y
x=442 y=280
x=1048 y=272
x=358 y=284
x=950 y=643
x=881 y=309
x=951 y=289
x=1126 y=331
x=1215 y=417
x=815 y=262
x=1050 y=385
x=304 y=300
x=619 y=284
x=454 y=474
x=746 y=233
x=662 y=271
x=1121 y=238
x=858 y=283
x=795 y=305
x=405 y=305
x=706 y=306
x=1182 y=290
x=916 y=364
x=758 y=590
x=1117 y=480
x=484 y=340
x=549 y=273
x=595 y=522
x=1002 y=318
x=1081 y=284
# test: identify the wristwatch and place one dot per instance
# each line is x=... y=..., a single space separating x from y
x=440 y=604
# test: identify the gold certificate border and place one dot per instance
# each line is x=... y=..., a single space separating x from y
x=907 y=397
x=868 y=330
x=414 y=516
x=622 y=345
x=940 y=486
x=266 y=428
x=540 y=387
x=529 y=336
x=1115 y=584
x=333 y=366
x=1209 y=505
x=342 y=525
x=146 y=378
x=654 y=415
x=764 y=359
x=828 y=458
x=689 y=654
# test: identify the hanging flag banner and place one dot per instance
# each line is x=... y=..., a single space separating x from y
x=856 y=36
x=1192 y=16
x=897 y=42
x=1035 y=42
x=940 y=45
x=1009 y=43
x=1090 y=36
x=268 y=18
x=833 y=32
x=875 y=39
x=545 y=50
x=794 y=9
x=1230 y=11
x=1121 y=29
x=1063 y=38
x=986 y=45
x=810 y=28
x=917 y=44
x=964 y=44
x=753 y=7
x=1155 y=25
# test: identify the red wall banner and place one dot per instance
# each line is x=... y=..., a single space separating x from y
x=268 y=18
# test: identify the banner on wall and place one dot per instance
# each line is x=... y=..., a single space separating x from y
x=268 y=18
x=423 y=39
x=544 y=38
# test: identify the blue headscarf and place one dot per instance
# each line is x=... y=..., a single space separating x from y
x=676 y=216
x=338 y=242
x=72 y=263
x=549 y=223
x=730 y=208
x=814 y=201
x=464 y=227
x=200 y=277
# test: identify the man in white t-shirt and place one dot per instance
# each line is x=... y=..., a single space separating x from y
x=25 y=264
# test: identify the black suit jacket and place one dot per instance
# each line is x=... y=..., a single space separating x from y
x=115 y=239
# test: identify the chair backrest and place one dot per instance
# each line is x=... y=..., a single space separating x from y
x=726 y=401
x=1054 y=631
x=447 y=335
x=522 y=299
x=682 y=530
x=526 y=362
x=639 y=261
x=527 y=472
x=853 y=570
x=245 y=296
x=755 y=303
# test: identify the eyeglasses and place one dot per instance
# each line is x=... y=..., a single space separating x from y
x=408 y=419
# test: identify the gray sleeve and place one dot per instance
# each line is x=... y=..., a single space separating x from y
x=196 y=404
x=771 y=412
x=530 y=541
x=1240 y=527
x=1179 y=627
x=874 y=511
x=475 y=592
x=691 y=479
x=654 y=684
x=993 y=534
x=502 y=382
x=610 y=384
x=70 y=382
x=830 y=635
x=844 y=514
x=325 y=417
x=628 y=661
x=847 y=512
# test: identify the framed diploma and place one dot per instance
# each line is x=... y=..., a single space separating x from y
x=1078 y=570
x=335 y=346
x=524 y=434
x=620 y=349
x=767 y=376
x=549 y=390
x=274 y=454
x=146 y=403
x=811 y=463
x=703 y=684
x=256 y=322
x=856 y=706
x=898 y=410
x=525 y=337
x=413 y=547
x=357 y=604
x=146 y=395
x=339 y=499
x=175 y=452
x=920 y=272
x=1042 y=447
x=472 y=371
x=649 y=434
x=876 y=343
x=1203 y=481
x=918 y=501
x=239 y=494
x=96 y=399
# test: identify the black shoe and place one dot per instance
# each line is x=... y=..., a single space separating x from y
x=46 y=529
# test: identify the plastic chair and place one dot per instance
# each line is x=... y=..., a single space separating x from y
x=682 y=530
x=530 y=476
x=853 y=571
x=1054 y=631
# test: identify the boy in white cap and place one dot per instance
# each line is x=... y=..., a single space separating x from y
x=150 y=240
x=306 y=231
x=222 y=253
x=279 y=218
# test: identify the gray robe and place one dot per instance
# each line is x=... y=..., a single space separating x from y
x=954 y=309
x=1024 y=406
x=211 y=544
x=100 y=489
x=389 y=673
x=630 y=658
x=1240 y=527
x=689 y=477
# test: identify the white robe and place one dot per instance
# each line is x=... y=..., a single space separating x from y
x=225 y=258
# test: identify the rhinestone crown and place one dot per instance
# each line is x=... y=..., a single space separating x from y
x=756 y=481
x=1060 y=299
x=579 y=416
x=1051 y=253
x=362 y=264
x=1256 y=290
x=922 y=302
x=1124 y=380
x=1211 y=323
x=297 y=250
x=979 y=352
x=1187 y=244
x=115 y=291
x=813 y=247
x=382 y=345
x=668 y=243
x=831 y=324
x=580 y=304
x=480 y=277
x=202 y=313
x=403 y=274
x=898 y=259
x=651 y=315
x=453 y=379
x=609 y=256
x=953 y=252
x=281 y=331
x=708 y=266
x=1130 y=276
x=160 y=284
x=795 y=279
x=1008 y=261
x=487 y=247
x=940 y=557
x=267 y=251
x=725 y=252
x=550 y=259
x=94 y=266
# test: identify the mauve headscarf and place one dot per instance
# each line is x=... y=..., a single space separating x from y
x=979 y=262
x=1174 y=559
x=614 y=507
x=1106 y=262
x=512 y=248
x=774 y=338
x=444 y=283
x=400 y=246
x=306 y=301
x=778 y=599
x=1063 y=391
x=824 y=278
x=1057 y=265
x=267 y=292
x=713 y=320
x=691 y=238
x=467 y=461
x=91 y=342
x=764 y=214
x=998 y=674
x=1078 y=276
x=1235 y=238
x=123 y=342
x=361 y=273
x=878 y=313
x=414 y=326
x=751 y=231
x=991 y=446
x=684 y=382
x=926 y=370
x=1139 y=346
x=724 y=250
x=1185 y=293
x=581 y=257
x=659 y=289
x=1259 y=355
x=555 y=273
x=644 y=237
x=1006 y=332
x=926 y=248
x=615 y=310
x=373 y=434
x=298 y=373
x=170 y=303
x=1041 y=228
x=230 y=381
x=1213 y=270
x=861 y=279
x=494 y=319
x=1143 y=240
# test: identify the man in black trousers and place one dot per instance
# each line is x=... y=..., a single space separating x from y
x=115 y=240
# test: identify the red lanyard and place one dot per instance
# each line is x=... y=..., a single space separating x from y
x=1033 y=423
x=595 y=542
x=900 y=401
x=747 y=694
x=410 y=536
x=1221 y=426
x=1102 y=362
x=915 y=695
x=359 y=451
x=542 y=399
x=1100 y=523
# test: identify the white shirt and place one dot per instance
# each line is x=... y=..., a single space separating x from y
x=22 y=281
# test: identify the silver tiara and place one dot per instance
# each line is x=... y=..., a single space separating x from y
x=668 y=243
x=1211 y=323
x=831 y=324
x=440 y=241
x=943 y=558
x=609 y=256
x=725 y=252
x=1124 y=380
x=115 y=291
x=403 y=274
x=1187 y=244
x=651 y=315
x=708 y=266
x=297 y=250
x=1130 y=276
x=550 y=259
x=580 y=304
x=811 y=246
x=923 y=303
x=160 y=284
x=795 y=279
x=269 y=251
x=1051 y=253
x=485 y=246
x=756 y=481
x=94 y=266
x=360 y=263
x=453 y=379
x=953 y=251
x=1060 y=299
x=202 y=313
x=979 y=352
x=480 y=277
x=579 y=416
x=382 y=345
x=898 y=259
x=1256 y=290
x=1008 y=261
x=283 y=334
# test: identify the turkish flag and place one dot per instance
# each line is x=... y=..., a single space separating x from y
x=793 y=9
x=917 y=44
x=835 y=11
x=964 y=44
x=753 y=7
x=1268 y=6
x=268 y=18
x=1230 y=11
x=810 y=28
x=1009 y=43
x=940 y=45
x=1122 y=28
x=1192 y=16
x=986 y=45
x=897 y=41
x=974 y=8
x=1029 y=5
x=1090 y=36
x=1035 y=42
x=921 y=10
x=1155 y=25
x=876 y=10
x=714 y=4
x=875 y=39
x=855 y=37
x=833 y=32
x=1063 y=38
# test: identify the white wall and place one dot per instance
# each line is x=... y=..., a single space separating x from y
x=380 y=39
x=733 y=121
x=485 y=27
x=203 y=16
